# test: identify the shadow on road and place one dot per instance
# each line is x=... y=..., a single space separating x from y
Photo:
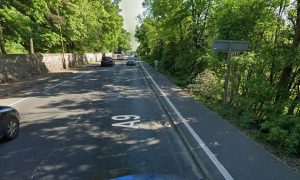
x=70 y=135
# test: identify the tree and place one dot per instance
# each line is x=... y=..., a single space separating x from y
x=288 y=74
x=52 y=26
x=264 y=83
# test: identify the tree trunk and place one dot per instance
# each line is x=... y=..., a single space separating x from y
x=2 y=43
x=285 y=78
x=205 y=21
x=287 y=71
x=181 y=33
x=294 y=105
x=31 y=46
x=194 y=26
x=233 y=84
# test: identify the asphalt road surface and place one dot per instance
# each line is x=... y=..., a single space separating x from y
x=98 y=123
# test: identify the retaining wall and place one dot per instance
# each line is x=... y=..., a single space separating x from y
x=14 y=67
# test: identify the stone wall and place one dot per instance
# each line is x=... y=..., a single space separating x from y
x=56 y=62
x=14 y=67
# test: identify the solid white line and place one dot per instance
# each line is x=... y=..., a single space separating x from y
x=212 y=157
x=63 y=82
x=77 y=76
x=18 y=101
x=55 y=86
x=45 y=90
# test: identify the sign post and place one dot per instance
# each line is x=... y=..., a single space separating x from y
x=229 y=46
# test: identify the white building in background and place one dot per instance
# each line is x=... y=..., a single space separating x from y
x=130 y=10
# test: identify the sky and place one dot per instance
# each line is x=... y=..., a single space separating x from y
x=130 y=10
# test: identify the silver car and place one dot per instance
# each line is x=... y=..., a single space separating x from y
x=130 y=61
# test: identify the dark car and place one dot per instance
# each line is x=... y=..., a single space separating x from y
x=9 y=123
x=130 y=61
x=107 y=61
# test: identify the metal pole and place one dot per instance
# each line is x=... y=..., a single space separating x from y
x=227 y=75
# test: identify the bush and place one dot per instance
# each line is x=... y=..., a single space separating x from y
x=248 y=120
x=283 y=132
x=207 y=85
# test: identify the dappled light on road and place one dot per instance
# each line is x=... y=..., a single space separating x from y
x=72 y=124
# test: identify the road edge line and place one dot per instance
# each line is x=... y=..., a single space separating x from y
x=207 y=151
x=201 y=168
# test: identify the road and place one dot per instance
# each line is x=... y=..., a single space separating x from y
x=98 y=123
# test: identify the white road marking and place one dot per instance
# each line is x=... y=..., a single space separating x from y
x=77 y=76
x=55 y=86
x=125 y=117
x=208 y=152
x=18 y=101
x=127 y=124
x=45 y=90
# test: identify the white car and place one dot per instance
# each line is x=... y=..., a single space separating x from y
x=118 y=56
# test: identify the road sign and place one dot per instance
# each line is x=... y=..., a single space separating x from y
x=230 y=46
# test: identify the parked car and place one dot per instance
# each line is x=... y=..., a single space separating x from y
x=130 y=61
x=108 y=61
x=9 y=123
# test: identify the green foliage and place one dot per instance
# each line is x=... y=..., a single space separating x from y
x=15 y=48
x=264 y=83
x=284 y=132
x=76 y=26
x=206 y=84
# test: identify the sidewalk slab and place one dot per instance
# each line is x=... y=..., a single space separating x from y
x=241 y=156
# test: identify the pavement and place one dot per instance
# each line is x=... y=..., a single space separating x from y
x=219 y=148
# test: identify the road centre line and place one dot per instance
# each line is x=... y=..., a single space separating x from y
x=65 y=81
x=207 y=151
x=18 y=101
x=77 y=76
x=45 y=90
x=55 y=86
